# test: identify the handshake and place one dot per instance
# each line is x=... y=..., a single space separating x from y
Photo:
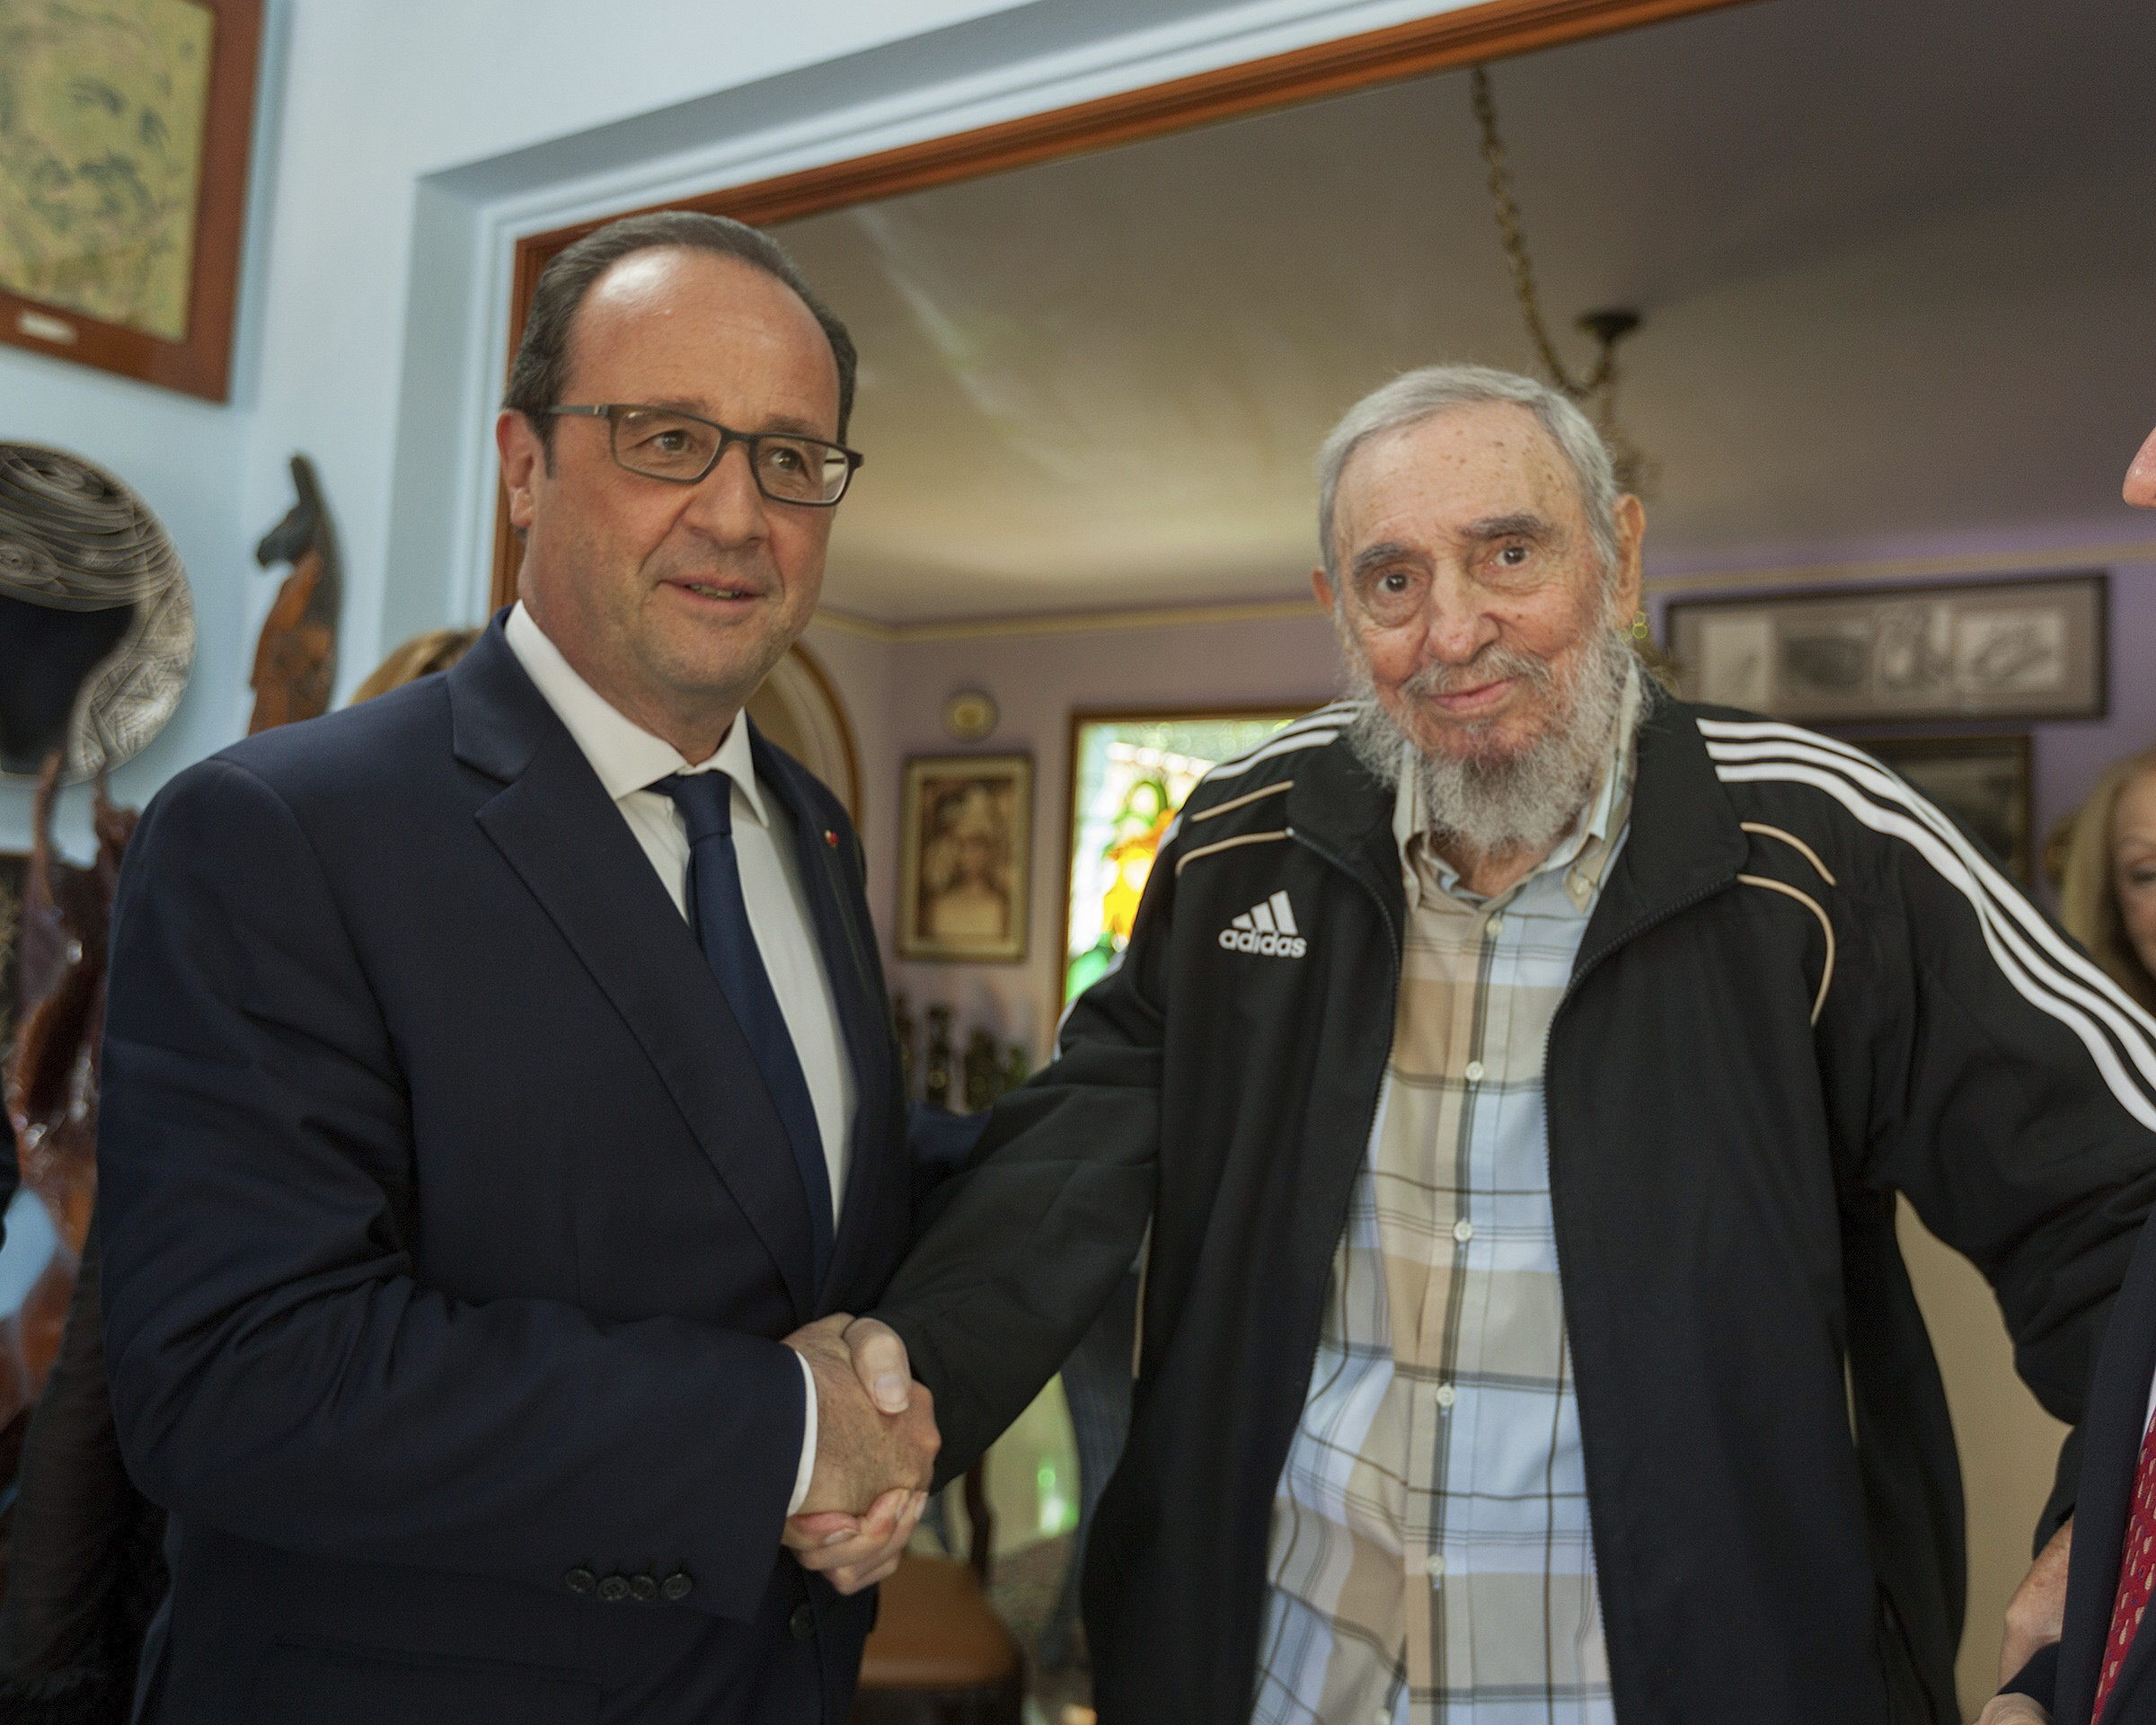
x=876 y=1443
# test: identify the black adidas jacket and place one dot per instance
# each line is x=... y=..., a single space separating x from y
x=1803 y=990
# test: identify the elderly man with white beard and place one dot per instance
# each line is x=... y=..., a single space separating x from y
x=1524 y=1334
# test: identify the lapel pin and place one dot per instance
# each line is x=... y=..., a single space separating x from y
x=830 y=838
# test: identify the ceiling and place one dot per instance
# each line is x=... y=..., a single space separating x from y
x=1894 y=258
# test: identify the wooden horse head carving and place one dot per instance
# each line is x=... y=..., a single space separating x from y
x=296 y=660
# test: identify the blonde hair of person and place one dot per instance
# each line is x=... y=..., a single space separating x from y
x=421 y=656
x=2087 y=896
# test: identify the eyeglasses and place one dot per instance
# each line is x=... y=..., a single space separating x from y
x=680 y=448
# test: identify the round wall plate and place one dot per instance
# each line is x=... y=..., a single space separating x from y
x=970 y=715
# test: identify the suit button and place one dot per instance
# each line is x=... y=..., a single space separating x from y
x=675 y=1587
x=802 y=1622
x=643 y=1589
x=581 y=1581
x=614 y=1589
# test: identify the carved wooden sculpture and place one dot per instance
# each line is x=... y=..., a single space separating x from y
x=296 y=659
x=83 y=1569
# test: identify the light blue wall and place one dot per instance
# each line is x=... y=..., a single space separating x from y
x=401 y=146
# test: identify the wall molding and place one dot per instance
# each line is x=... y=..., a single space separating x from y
x=1064 y=622
x=1879 y=571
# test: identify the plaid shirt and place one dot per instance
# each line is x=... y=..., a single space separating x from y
x=1430 y=1560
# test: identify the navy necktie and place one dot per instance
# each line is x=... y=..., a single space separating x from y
x=719 y=917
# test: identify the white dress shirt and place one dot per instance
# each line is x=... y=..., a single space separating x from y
x=628 y=759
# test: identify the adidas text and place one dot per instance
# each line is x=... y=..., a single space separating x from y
x=1267 y=929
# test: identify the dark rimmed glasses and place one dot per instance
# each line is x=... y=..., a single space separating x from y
x=662 y=443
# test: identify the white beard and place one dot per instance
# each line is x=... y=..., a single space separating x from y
x=1500 y=805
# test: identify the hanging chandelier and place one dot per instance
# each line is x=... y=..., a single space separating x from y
x=1594 y=392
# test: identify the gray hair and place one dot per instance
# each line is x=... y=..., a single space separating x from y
x=1415 y=396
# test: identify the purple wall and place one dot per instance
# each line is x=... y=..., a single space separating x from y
x=1038 y=680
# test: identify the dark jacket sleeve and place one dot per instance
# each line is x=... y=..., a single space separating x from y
x=2014 y=1089
x=2039 y=1679
x=1027 y=1245
x=278 y=1369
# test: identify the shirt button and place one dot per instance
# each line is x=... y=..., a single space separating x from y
x=1446 y=1395
x=581 y=1581
x=1434 y=1566
x=614 y=1589
x=803 y=1624
x=1473 y=1075
x=1496 y=924
x=643 y=1589
x=1464 y=1230
x=676 y=1587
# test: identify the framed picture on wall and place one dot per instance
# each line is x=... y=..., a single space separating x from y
x=2033 y=650
x=1130 y=773
x=1983 y=782
x=123 y=183
x=966 y=858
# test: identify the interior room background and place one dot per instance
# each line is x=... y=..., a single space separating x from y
x=1891 y=260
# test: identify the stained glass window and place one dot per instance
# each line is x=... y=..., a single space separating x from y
x=1129 y=775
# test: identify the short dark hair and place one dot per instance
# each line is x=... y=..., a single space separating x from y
x=541 y=363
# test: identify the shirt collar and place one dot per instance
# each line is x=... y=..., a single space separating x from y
x=627 y=757
x=1602 y=820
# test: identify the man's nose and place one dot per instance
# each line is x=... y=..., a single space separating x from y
x=725 y=503
x=2141 y=477
x=1456 y=624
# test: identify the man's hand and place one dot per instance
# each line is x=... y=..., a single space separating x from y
x=853 y=1551
x=861 y=1452
x=2036 y=1613
x=2012 y=1710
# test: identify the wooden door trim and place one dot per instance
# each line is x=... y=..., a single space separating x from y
x=1497 y=29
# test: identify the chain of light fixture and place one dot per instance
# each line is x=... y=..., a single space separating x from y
x=1597 y=390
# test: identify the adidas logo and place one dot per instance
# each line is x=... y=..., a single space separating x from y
x=1268 y=929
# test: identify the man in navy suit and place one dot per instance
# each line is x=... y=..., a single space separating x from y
x=2074 y=1653
x=499 y=1097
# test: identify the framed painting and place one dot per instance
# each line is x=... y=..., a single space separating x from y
x=966 y=858
x=2026 y=650
x=1983 y=782
x=123 y=183
x=1130 y=773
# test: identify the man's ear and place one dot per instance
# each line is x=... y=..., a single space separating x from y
x=1321 y=584
x=523 y=464
x=1631 y=535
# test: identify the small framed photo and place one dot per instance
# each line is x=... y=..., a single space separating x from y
x=1983 y=782
x=966 y=858
x=2021 y=651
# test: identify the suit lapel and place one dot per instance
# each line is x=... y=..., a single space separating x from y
x=2111 y=1436
x=556 y=827
x=846 y=946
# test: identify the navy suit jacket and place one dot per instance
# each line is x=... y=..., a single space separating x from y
x=449 y=1232
x=2065 y=1677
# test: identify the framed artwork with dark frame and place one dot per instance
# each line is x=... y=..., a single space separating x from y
x=2025 y=650
x=966 y=858
x=1983 y=782
x=124 y=137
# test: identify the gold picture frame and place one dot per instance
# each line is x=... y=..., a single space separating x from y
x=966 y=859
x=124 y=138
